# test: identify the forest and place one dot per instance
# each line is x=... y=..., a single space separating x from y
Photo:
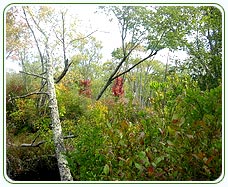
x=74 y=115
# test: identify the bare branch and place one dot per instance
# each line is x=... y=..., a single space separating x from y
x=132 y=67
x=81 y=38
x=153 y=53
x=33 y=145
x=43 y=141
x=115 y=71
x=9 y=53
x=66 y=67
x=69 y=136
x=29 y=94
x=57 y=36
x=63 y=39
x=34 y=36
x=33 y=74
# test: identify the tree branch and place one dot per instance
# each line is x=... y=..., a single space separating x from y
x=43 y=141
x=33 y=145
x=34 y=36
x=32 y=93
x=66 y=67
x=132 y=67
x=114 y=72
x=33 y=74
x=81 y=38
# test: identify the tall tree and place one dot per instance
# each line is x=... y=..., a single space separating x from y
x=52 y=46
x=47 y=67
x=205 y=46
x=152 y=28
x=54 y=38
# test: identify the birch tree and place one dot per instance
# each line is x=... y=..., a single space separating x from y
x=60 y=149
x=47 y=67
x=59 y=36
x=54 y=43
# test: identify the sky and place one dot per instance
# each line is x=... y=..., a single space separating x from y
x=107 y=32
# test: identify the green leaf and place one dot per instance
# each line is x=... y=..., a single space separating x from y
x=158 y=160
x=106 y=169
x=138 y=166
x=170 y=143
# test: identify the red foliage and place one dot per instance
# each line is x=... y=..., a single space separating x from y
x=150 y=170
x=85 y=88
x=117 y=88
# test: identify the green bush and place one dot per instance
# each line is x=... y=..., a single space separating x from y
x=119 y=141
x=71 y=105
x=23 y=117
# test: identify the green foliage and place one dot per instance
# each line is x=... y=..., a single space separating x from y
x=197 y=130
x=205 y=47
x=70 y=104
x=23 y=117
x=118 y=141
x=167 y=126
x=165 y=93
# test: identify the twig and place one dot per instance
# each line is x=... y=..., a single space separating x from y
x=33 y=74
x=33 y=145
x=81 y=38
x=69 y=136
x=43 y=141
x=120 y=74
x=26 y=95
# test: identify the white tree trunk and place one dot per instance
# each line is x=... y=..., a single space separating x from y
x=60 y=149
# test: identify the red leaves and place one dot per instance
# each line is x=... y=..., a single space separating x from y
x=175 y=121
x=117 y=88
x=85 y=88
x=85 y=83
x=150 y=171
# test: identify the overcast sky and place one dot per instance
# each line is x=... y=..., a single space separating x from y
x=107 y=32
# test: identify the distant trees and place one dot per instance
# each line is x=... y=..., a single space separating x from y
x=144 y=31
x=205 y=46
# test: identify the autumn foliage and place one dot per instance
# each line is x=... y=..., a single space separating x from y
x=85 y=88
x=117 y=88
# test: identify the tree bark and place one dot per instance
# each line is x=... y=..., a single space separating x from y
x=60 y=149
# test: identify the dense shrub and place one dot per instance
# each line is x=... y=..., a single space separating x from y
x=23 y=117
x=122 y=142
x=71 y=104
x=179 y=137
